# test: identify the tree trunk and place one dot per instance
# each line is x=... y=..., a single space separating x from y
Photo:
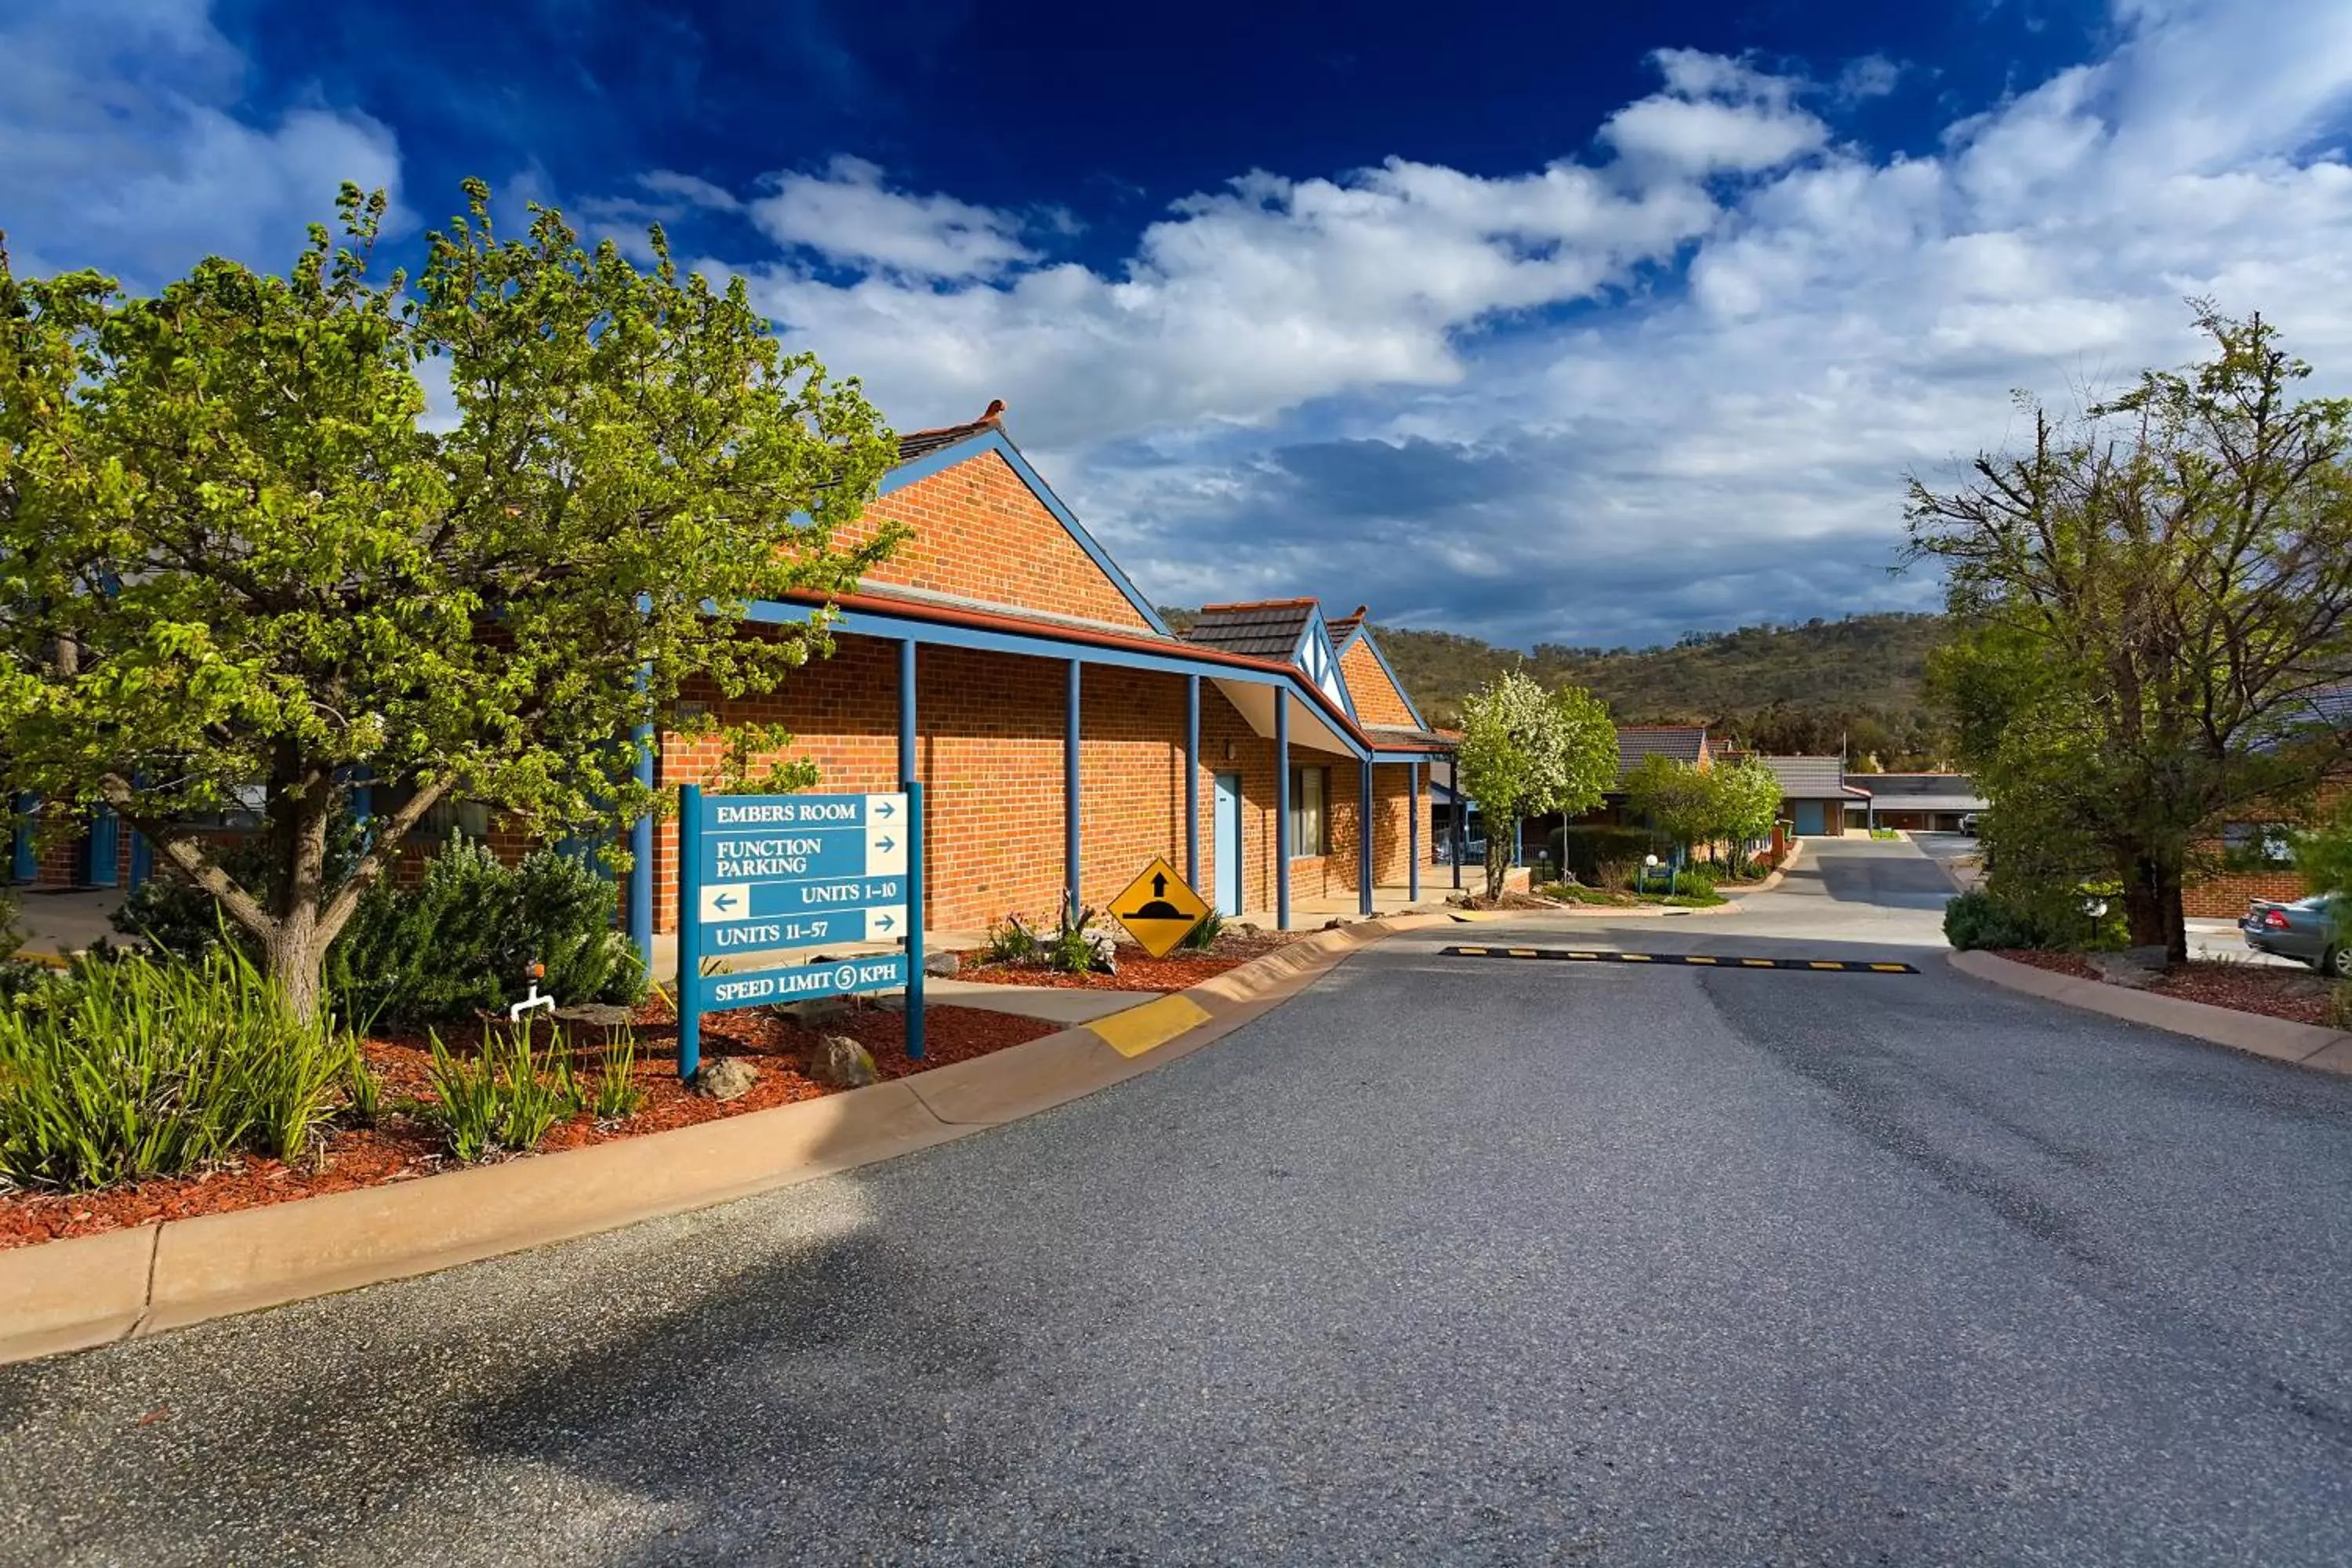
x=1499 y=856
x=293 y=955
x=2153 y=911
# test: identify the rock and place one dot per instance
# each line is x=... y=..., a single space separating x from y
x=2134 y=967
x=728 y=1077
x=941 y=964
x=815 y=1011
x=890 y=1001
x=1105 y=950
x=1246 y=928
x=598 y=1015
x=839 y=1062
x=1336 y=921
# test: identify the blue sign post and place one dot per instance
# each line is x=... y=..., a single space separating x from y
x=759 y=873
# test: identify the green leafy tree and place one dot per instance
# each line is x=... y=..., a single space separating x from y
x=238 y=554
x=2149 y=596
x=1677 y=799
x=1747 y=797
x=2325 y=855
x=1526 y=751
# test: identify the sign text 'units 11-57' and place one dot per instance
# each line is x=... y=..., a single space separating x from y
x=788 y=871
x=804 y=875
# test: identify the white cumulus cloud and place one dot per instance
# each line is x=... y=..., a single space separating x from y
x=118 y=135
x=1679 y=384
x=847 y=215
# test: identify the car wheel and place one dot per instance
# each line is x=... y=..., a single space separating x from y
x=2338 y=963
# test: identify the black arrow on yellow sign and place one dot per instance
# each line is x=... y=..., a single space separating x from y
x=1158 y=909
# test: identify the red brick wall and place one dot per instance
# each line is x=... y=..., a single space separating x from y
x=989 y=757
x=1378 y=701
x=2226 y=897
x=979 y=531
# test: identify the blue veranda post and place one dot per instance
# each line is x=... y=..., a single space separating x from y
x=689 y=929
x=914 y=908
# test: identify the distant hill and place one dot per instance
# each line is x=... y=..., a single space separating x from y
x=1778 y=689
x=1801 y=688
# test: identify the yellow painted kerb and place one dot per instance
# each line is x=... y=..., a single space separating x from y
x=1139 y=1029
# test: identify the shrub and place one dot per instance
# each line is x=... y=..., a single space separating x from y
x=617 y=1094
x=1603 y=854
x=1203 y=937
x=1978 y=920
x=2057 y=922
x=504 y=1098
x=1075 y=947
x=464 y=939
x=181 y=919
x=130 y=1068
x=2339 y=1005
x=1011 y=942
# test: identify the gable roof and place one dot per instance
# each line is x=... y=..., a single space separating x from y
x=1923 y=792
x=928 y=452
x=1682 y=742
x=1357 y=627
x=1809 y=778
x=1264 y=629
x=920 y=442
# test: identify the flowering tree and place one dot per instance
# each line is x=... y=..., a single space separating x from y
x=1526 y=751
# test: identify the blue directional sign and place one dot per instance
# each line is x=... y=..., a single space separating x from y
x=882 y=971
x=775 y=872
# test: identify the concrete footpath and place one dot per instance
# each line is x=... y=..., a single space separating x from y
x=87 y=1291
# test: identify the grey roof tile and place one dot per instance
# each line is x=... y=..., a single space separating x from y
x=1267 y=630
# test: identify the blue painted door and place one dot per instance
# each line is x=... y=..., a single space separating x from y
x=24 y=855
x=103 y=848
x=1229 y=843
x=1808 y=817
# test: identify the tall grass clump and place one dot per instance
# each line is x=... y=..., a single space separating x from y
x=127 y=1068
x=507 y=1098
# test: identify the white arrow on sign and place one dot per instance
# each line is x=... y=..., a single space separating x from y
x=727 y=902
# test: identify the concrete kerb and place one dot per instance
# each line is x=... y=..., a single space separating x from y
x=2279 y=1039
x=85 y=1292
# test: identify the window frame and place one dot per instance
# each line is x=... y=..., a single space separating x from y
x=1300 y=849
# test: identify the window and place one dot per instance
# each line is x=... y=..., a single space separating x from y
x=470 y=817
x=2257 y=847
x=1310 y=826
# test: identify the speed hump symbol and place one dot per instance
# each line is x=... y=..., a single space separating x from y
x=1158 y=909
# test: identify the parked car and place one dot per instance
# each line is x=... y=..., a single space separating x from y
x=2312 y=930
x=1969 y=825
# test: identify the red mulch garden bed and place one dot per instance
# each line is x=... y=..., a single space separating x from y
x=1137 y=969
x=2273 y=990
x=401 y=1147
x=2296 y=994
x=2073 y=964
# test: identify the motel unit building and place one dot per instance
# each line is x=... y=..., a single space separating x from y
x=1065 y=734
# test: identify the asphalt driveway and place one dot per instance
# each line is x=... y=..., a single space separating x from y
x=1450 y=1259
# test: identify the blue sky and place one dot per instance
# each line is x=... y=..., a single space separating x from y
x=1591 y=324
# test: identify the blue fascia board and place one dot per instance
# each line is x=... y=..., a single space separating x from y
x=995 y=440
x=1363 y=632
x=1414 y=757
x=1318 y=631
x=866 y=623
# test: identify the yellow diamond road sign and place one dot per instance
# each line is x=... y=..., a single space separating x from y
x=1158 y=909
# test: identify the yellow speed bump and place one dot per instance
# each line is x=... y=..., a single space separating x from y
x=1138 y=1029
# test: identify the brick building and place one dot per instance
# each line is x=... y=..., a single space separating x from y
x=1062 y=733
